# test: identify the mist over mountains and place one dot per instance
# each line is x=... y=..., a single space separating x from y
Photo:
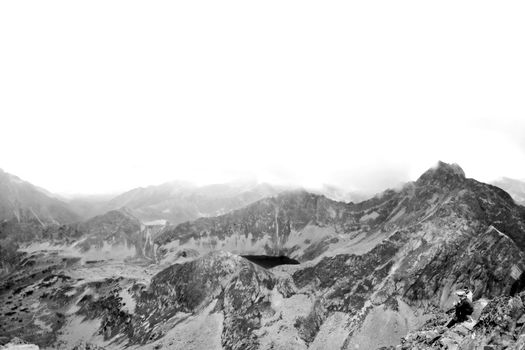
x=163 y=267
x=176 y=201
x=515 y=188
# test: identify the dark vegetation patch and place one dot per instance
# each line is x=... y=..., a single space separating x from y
x=108 y=308
x=37 y=280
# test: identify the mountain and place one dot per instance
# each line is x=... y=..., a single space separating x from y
x=370 y=273
x=25 y=211
x=114 y=235
x=385 y=264
x=515 y=188
x=305 y=225
x=178 y=202
x=22 y=201
x=117 y=230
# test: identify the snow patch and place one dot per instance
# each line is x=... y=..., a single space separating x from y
x=160 y=222
x=128 y=302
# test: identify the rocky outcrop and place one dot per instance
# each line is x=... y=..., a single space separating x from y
x=237 y=287
x=18 y=344
x=500 y=325
x=87 y=346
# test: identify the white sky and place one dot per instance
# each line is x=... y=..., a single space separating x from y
x=99 y=96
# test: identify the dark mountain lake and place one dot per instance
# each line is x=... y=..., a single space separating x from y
x=268 y=261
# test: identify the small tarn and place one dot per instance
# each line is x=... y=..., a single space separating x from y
x=268 y=261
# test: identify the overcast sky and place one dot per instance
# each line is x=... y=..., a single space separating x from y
x=104 y=96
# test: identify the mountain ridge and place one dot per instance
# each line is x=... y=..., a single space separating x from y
x=22 y=201
x=370 y=273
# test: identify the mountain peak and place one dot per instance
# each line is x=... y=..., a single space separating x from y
x=443 y=172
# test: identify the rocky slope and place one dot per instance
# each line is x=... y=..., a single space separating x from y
x=25 y=212
x=116 y=233
x=499 y=324
x=370 y=274
x=22 y=201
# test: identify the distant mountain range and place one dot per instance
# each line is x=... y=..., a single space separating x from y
x=516 y=188
x=174 y=202
x=127 y=222
x=22 y=201
x=177 y=202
